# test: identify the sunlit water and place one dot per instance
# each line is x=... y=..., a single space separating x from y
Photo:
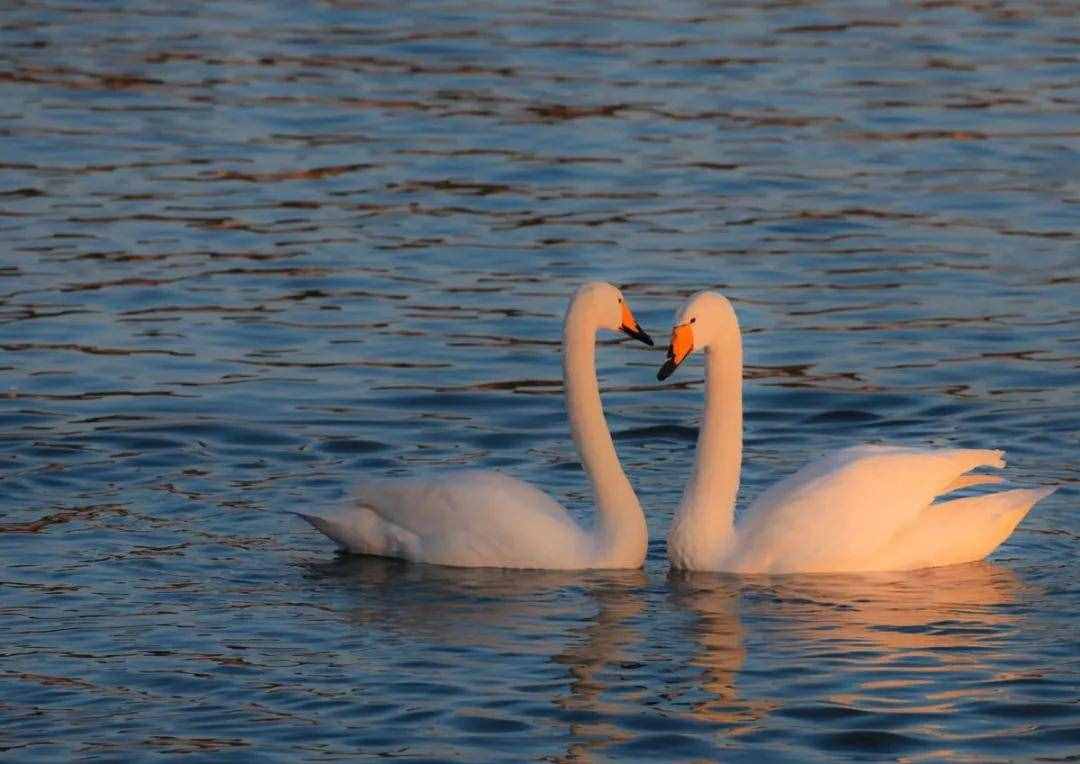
x=254 y=252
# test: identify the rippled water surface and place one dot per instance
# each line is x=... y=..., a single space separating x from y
x=253 y=252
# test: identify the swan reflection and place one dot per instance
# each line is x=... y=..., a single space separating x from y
x=713 y=656
x=575 y=635
x=492 y=609
x=608 y=650
x=719 y=642
x=891 y=631
x=931 y=609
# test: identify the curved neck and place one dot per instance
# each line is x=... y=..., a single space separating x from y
x=621 y=530
x=708 y=503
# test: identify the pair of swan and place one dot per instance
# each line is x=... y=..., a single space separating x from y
x=866 y=508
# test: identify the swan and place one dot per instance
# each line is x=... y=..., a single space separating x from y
x=482 y=518
x=864 y=508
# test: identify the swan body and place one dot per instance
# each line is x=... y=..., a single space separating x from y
x=470 y=518
x=866 y=508
x=482 y=518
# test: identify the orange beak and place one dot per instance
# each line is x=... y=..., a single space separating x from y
x=682 y=343
x=630 y=326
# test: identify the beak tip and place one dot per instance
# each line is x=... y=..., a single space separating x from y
x=638 y=334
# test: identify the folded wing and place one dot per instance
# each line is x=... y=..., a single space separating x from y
x=849 y=510
x=474 y=518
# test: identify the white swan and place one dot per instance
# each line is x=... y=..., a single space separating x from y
x=860 y=509
x=480 y=518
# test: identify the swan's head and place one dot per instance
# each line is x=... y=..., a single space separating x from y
x=610 y=309
x=705 y=321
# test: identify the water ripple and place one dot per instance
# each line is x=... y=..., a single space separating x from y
x=254 y=253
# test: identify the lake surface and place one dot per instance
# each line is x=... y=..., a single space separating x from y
x=255 y=252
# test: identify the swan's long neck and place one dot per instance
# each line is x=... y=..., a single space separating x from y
x=620 y=530
x=705 y=523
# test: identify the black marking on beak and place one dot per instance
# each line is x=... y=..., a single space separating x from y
x=669 y=365
x=637 y=333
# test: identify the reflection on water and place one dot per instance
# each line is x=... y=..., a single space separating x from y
x=602 y=656
x=898 y=638
x=617 y=664
x=720 y=649
x=243 y=269
x=488 y=609
x=926 y=610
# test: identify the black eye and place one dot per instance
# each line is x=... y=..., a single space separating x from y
x=620 y=300
x=692 y=320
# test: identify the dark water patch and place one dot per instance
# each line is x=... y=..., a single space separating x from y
x=843 y=417
x=665 y=747
x=351 y=446
x=656 y=723
x=420 y=688
x=417 y=717
x=1028 y=710
x=501 y=440
x=131 y=442
x=869 y=742
x=823 y=713
x=374 y=464
x=1053 y=734
x=675 y=433
x=490 y=724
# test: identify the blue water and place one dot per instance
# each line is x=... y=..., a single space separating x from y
x=253 y=252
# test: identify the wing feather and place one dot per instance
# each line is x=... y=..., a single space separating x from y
x=472 y=518
x=836 y=513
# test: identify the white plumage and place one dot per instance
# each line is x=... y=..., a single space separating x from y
x=479 y=518
x=865 y=508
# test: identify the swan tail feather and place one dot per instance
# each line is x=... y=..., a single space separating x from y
x=324 y=525
x=362 y=531
x=963 y=530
